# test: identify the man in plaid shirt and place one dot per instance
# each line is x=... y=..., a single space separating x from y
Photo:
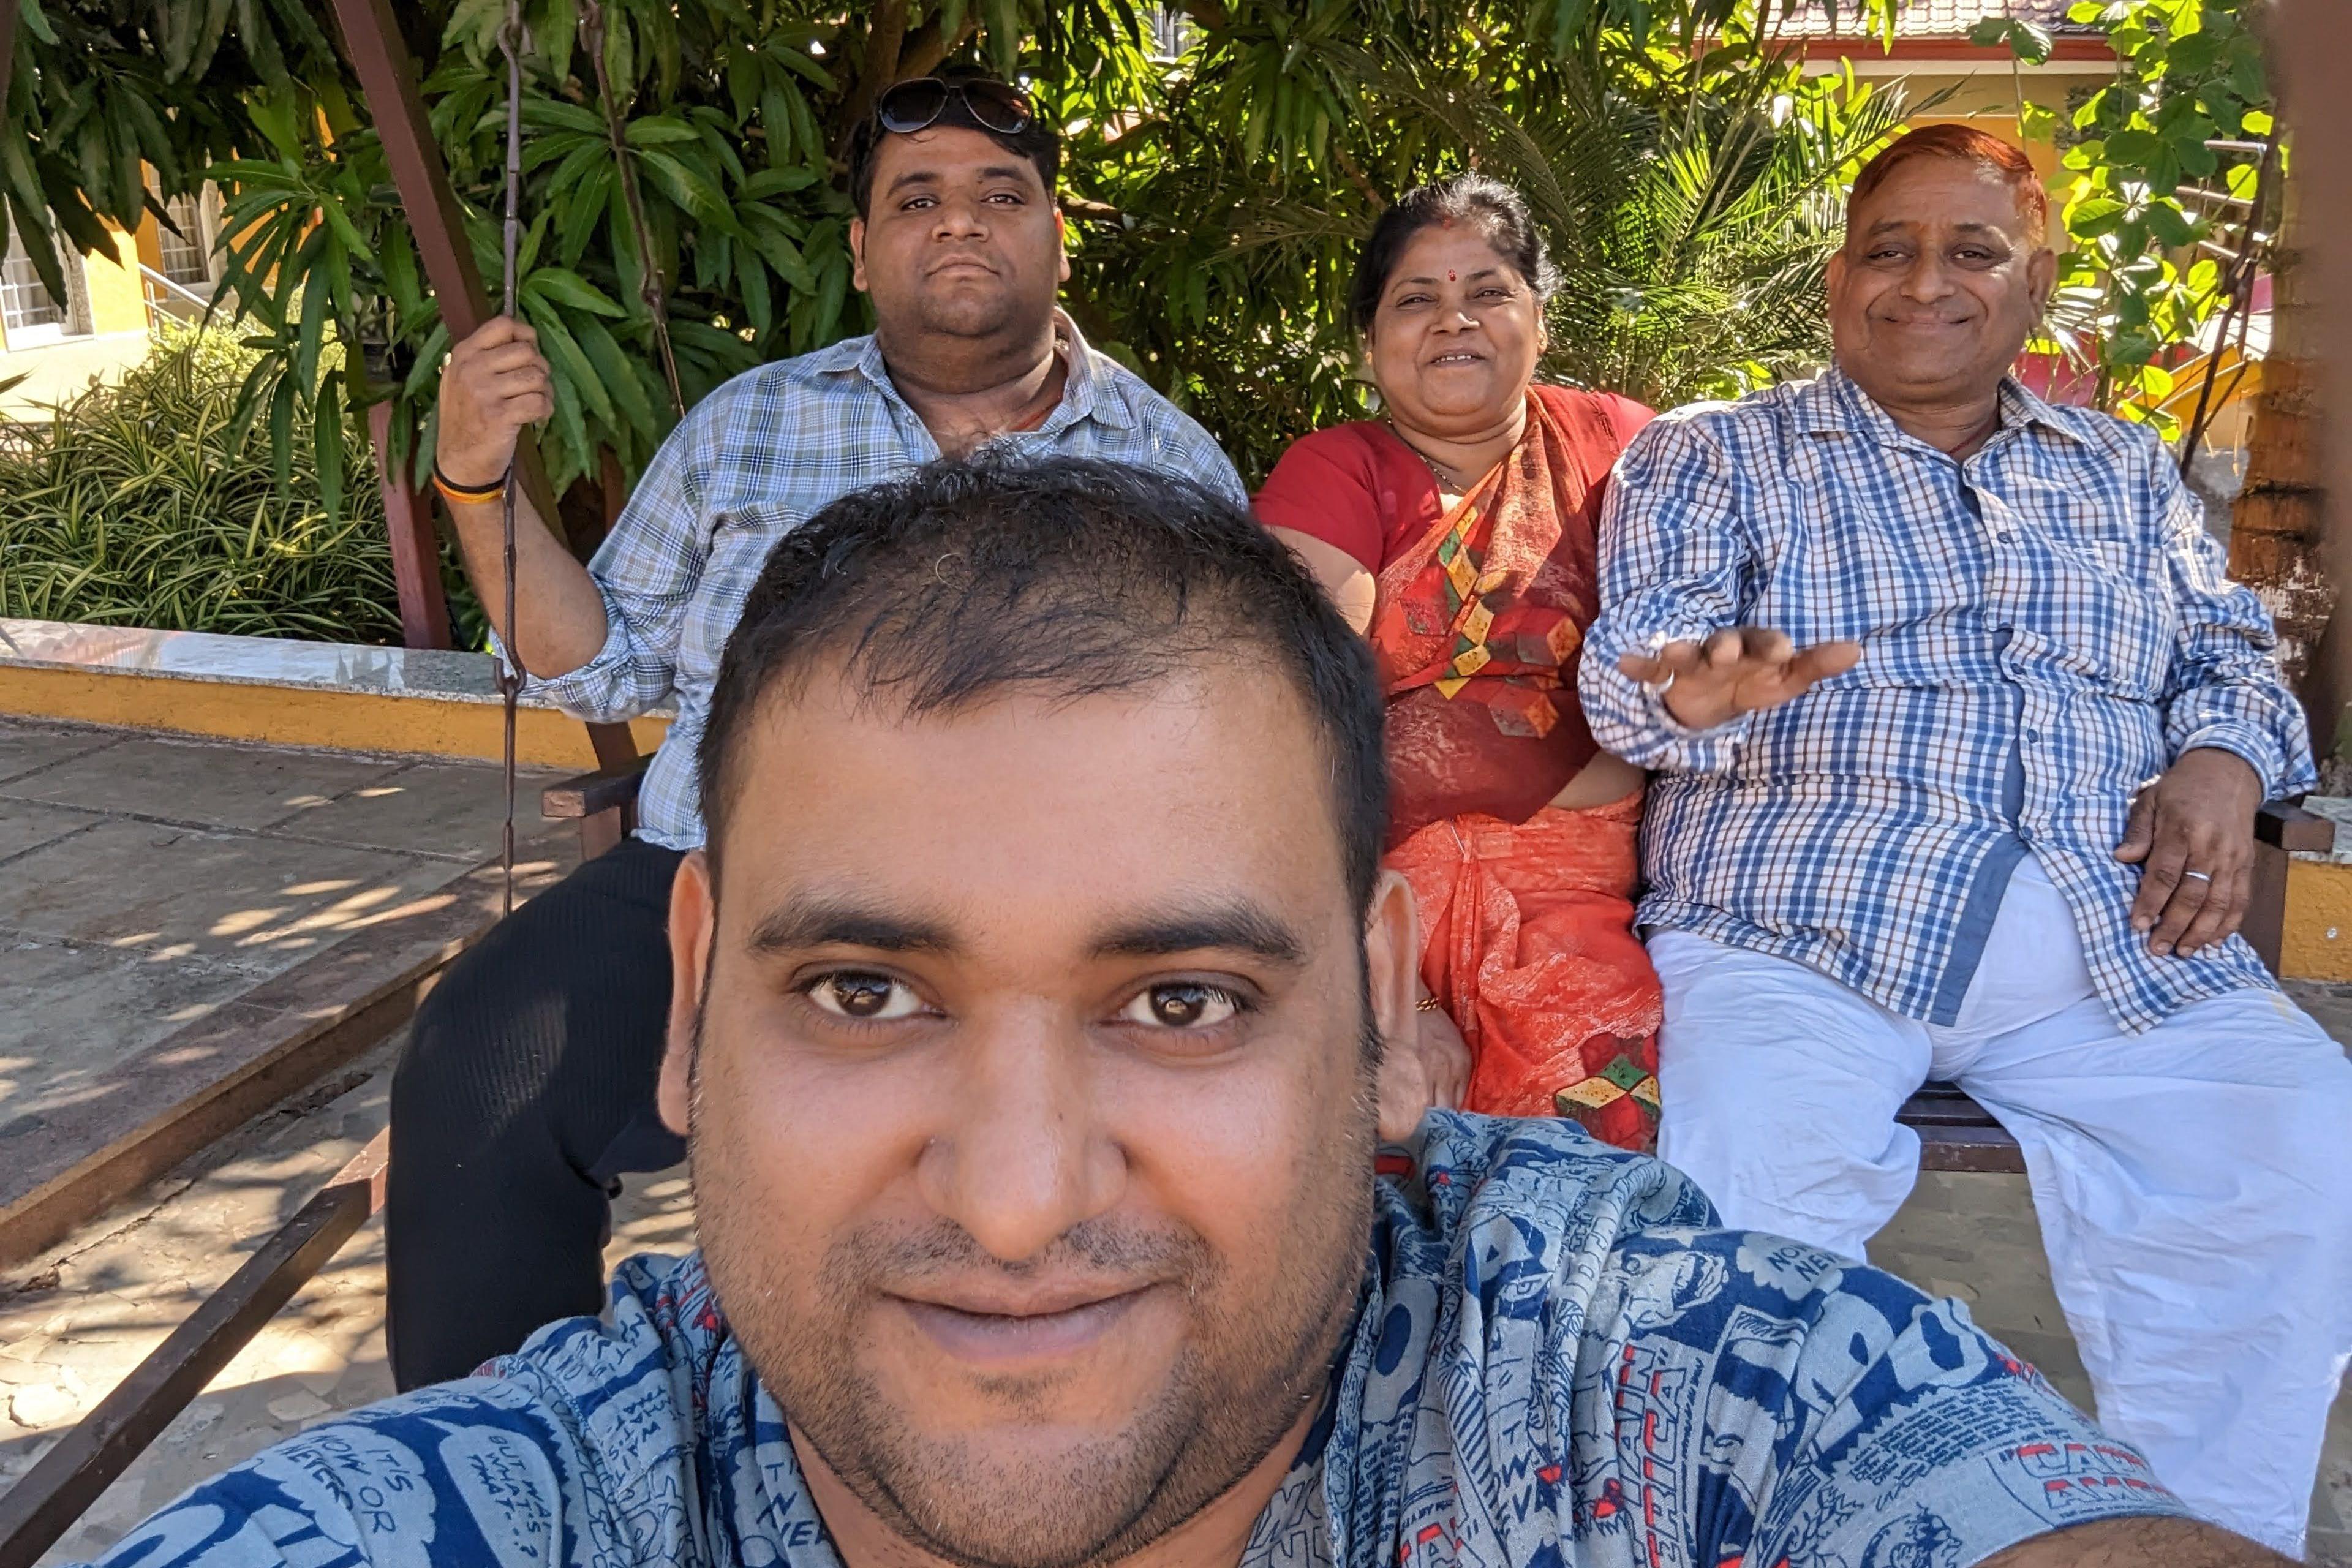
x=1959 y=732
x=527 y=1087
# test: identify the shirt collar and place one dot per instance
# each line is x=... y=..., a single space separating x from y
x=1088 y=391
x=1833 y=403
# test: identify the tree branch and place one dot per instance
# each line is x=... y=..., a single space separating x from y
x=883 y=39
x=1356 y=177
x=926 y=47
x=1093 y=211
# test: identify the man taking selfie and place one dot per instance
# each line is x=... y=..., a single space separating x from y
x=1037 y=1045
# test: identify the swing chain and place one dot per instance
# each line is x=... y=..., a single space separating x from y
x=510 y=671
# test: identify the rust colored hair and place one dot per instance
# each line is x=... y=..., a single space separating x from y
x=1962 y=143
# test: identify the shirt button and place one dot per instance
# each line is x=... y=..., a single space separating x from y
x=2008 y=538
x=2033 y=737
x=2025 y=835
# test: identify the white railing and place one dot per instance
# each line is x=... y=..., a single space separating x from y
x=166 y=298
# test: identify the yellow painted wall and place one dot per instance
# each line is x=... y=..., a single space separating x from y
x=118 y=302
x=61 y=369
x=2317 y=942
x=300 y=717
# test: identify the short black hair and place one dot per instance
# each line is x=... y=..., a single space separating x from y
x=1499 y=212
x=1039 y=143
x=1070 y=577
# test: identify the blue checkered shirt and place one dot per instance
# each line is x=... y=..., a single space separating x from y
x=757 y=459
x=2045 y=627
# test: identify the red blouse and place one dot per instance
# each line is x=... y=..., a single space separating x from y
x=1358 y=487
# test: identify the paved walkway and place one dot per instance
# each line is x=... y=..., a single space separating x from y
x=177 y=916
x=151 y=882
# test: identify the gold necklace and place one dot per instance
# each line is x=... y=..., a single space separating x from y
x=1445 y=476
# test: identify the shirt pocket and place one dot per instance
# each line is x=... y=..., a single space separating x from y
x=2108 y=599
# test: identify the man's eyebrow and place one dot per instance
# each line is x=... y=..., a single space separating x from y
x=1007 y=171
x=804 y=922
x=1240 y=927
x=912 y=177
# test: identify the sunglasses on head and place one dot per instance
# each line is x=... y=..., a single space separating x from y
x=909 y=106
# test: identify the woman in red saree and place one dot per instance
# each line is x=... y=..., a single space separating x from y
x=1459 y=534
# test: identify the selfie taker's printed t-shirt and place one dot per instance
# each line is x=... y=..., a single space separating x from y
x=1559 y=1361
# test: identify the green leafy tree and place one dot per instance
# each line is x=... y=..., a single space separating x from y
x=1691 y=197
x=1221 y=167
x=2139 y=275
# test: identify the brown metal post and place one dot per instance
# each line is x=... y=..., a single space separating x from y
x=416 y=553
x=388 y=78
x=2311 y=48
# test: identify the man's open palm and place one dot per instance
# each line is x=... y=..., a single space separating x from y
x=1736 y=672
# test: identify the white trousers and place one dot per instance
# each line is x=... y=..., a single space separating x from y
x=2194 y=1182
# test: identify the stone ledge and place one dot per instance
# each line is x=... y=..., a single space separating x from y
x=339 y=696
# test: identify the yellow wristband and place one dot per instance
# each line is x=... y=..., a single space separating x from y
x=469 y=494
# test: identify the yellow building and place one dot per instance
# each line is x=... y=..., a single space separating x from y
x=105 y=321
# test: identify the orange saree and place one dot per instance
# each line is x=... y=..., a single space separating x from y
x=1527 y=909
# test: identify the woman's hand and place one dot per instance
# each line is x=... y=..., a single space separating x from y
x=1444 y=1057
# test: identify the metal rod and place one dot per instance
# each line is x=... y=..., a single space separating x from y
x=2219 y=198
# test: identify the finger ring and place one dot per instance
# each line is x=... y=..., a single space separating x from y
x=2201 y=876
x=1660 y=688
x=1427 y=1005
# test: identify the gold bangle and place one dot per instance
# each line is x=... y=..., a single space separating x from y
x=468 y=495
x=1427 y=1005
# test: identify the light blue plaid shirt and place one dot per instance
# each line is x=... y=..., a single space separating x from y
x=757 y=459
x=2045 y=627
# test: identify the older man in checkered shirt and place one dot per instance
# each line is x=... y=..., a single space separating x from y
x=1959 y=732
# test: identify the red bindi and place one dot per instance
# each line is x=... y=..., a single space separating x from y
x=1449 y=275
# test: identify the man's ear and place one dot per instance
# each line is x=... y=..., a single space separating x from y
x=857 y=254
x=2041 y=277
x=1393 y=972
x=1062 y=246
x=1837 y=272
x=693 y=927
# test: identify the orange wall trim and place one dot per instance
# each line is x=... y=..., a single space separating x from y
x=296 y=716
x=2317 y=943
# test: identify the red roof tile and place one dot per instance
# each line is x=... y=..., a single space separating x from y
x=1936 y=18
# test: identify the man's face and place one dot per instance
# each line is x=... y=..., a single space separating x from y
x=961 y=238
x=1938 y=285
x=1032 y=1124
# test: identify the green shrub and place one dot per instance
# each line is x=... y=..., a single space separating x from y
x=137 y=504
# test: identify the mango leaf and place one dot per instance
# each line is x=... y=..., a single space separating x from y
x=559 y=286
x=612 y=366
x=327 y=434
x=771 y=183
x=691 y=189
x=562 y=351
